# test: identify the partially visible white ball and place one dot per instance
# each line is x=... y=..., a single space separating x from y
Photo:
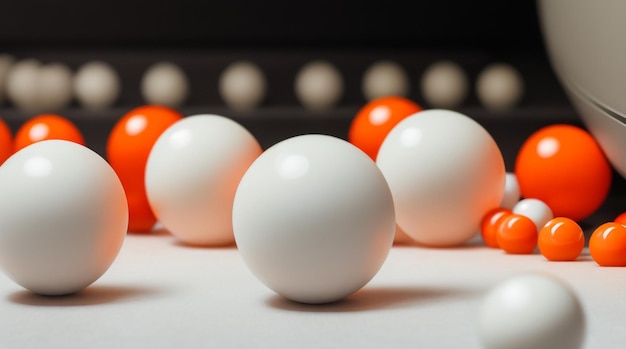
x=512 y=193
x=6 y=62
x=538 y=211
x=192 y=173
x=64 y=217
x=531 y=311
x=96 y=85
x=165 y=83
x=242 y=85
x=444 y=84
x=55 y=87
x=446 y=173
x=499 y=87
x=313 y=218
x=22 y=85
x=319 y=85
x=385 y=78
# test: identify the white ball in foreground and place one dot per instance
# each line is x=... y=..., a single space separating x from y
x=531 y=311
x=445 y=172
x=64 y=217
x=314 y=219
x=192 y=173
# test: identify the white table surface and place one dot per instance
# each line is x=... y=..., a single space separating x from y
x=161 y=294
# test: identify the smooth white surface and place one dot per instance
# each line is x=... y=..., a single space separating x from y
x=192 y=173
x=444 y=84
x=319 y=85
x=64 y=217
x=161 y=295
x=499 y=87
x=445 y=172
x=534 y=310
x=242 y=85
x=536 y=210
x=512 y=193
x=165 y=83
x=313 y=218
x=96 y=85
x=6 y=62
x=385 y=78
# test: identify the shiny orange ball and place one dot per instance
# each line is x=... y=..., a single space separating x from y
x=127 y=150
x=561 y=239
x=563 y=166
x=44 y=127
x=376 y=119
x=607 y=245
x=517 y=234
x=6 y=141
x=621 y=218
x=490 y=223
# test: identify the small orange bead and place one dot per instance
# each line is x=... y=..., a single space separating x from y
x=489 y=226
x=517 y=234
x=607 y=245
x=621 y=218
x=47 y=126
x=561 y=239
x=6 y=141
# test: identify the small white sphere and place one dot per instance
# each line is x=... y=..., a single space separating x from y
x=6 y=62
x=512 y=192
x=444 y=84
x=319 y=85
x=166 y=84
x=55 y=90
x=445 y=172
x=192 y=174
x=531 y=311
x=538 y=211
x=499 y=87
x=314 y=218
x=96 y=85
x=64 y=217
x=22 y=85
x=385 y=78
x=242 y=85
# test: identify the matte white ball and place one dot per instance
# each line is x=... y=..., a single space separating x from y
x=538 y=211
x=96 y=85
x=314 y=218
x=64 y=217
x=319 y=85
x=22 y=85
x=512 y=193
x=444 y=84
x=531 y=311
x=192 y=174
x=499 y=87
x=385 y=78
x=6 y=62
x=166 y=84
x=445 y=172
x=55 y=87
x=242 y=85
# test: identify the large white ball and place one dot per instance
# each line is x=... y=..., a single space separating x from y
x=531 y=311
x=64 y=217
x=192 y=174
x=445 y=172
x=314 y=218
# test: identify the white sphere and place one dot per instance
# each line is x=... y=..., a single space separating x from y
x=444 y=84
x=242 y=85
x=385 y=78
x=445 y=172
x=166 y=84
x=512 y=193
x=192 y=174
x=499 y=87
x=531 y=311
x=96 y=85
x=55 y=90
x=22 y=85
x=6 y=62
x=538 y=211
x=319 y=85
x=64 y=217
x=314 y=218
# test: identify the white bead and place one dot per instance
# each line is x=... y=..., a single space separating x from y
x=385 y=78
x=96 y=85
x=444 y=85
x=319 y=85
x=536 y=210
x=166 y=84
x=499 y=87
x=242 y=85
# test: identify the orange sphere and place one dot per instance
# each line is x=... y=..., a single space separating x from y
x=47 y=126
x=621 y=218
x=6 y=141
x=127 y=150
x=489 y=226
x=607 y=245
x=564 y=166
x=561 y=239
x=375 y=120
x=517 y=234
